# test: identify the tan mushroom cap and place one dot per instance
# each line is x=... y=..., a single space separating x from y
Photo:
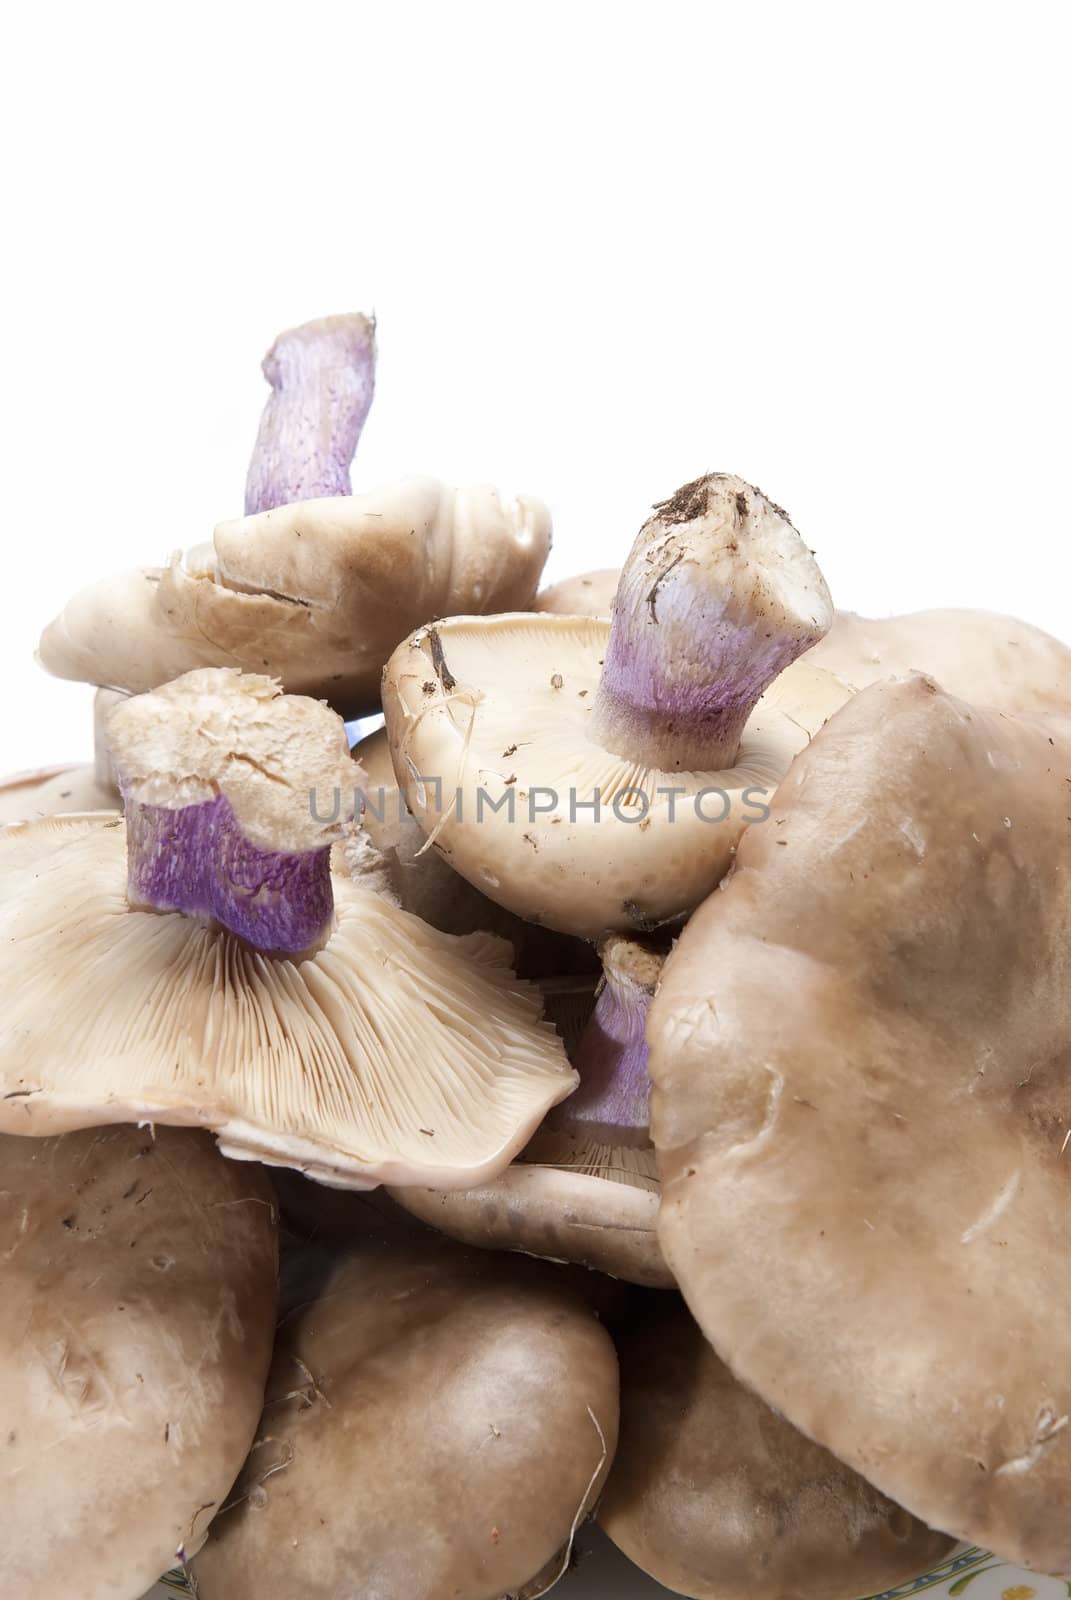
x=861 y=1106
x=717 y=1497
x=988 y=659
x=393 y=1053
x=438 y=1424
x=421 y=880
x=589 y=594
x=52 y=791
x=136 y=1330
x=494 y=705
x=316 y=593
x=551 y=1210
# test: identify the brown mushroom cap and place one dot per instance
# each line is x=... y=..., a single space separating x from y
x=988 y=659
x=438 y=1423
x=861 y=1105
x=316 y=593
x=135 y=1336
x=590 y=594
x=719 y=1498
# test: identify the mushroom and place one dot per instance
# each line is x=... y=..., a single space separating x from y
x=205 y=965
x=586 y=1189
x=988 y=659
x=717 y=1497
x=422 y=881
x=589 y=594
x=862 y=1111
x=135 y=1339
x=595 y=776
x=317 y=591
x=438 y=1423
x=55 y=790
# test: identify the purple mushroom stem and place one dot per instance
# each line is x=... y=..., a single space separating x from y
x=322 y=377
x=195 y=859
x=718 y=596
x=611 y=1105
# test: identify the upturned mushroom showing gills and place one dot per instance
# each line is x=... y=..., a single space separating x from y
x=136 y=1326
x=719 y=1498
x=988 y=659
x=586 y=1188
x=862 y=1102
x=438 y=1423
x=314 y=585
x=595 y=776
x=204 y=964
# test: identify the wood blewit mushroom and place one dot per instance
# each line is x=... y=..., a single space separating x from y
x=314 y=584
x=638 y=748
x=220 y=969
x=718 y=596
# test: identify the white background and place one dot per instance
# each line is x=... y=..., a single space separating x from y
x=610 y=247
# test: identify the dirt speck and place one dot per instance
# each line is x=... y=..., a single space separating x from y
x=438 y=661
x=689 y=502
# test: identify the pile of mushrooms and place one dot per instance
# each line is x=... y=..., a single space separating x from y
x=632 y=1084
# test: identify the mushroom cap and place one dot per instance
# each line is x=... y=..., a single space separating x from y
x=438 y=1423
x=554 y=1212
x=51 y=791
x=859 y=1053
x=717 y=1497
x=136 y=1332
x=589 y=594
x=422 y=880
x=317 y=593
x=499 y=704
x=393 y=1053
x=988 y=659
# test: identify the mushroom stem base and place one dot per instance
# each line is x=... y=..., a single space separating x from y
x=196 y=860
x=682 y=735
x=611 y=1106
